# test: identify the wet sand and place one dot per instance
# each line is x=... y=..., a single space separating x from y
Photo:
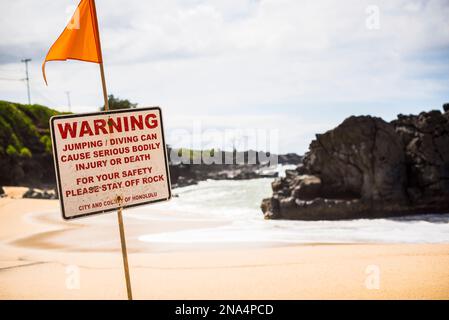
x=44 y=257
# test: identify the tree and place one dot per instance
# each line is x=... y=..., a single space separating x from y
x=117 y=103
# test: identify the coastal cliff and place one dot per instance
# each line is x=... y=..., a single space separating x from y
x=25 y=144
x=369 y=168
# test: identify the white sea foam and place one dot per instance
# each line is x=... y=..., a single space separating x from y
x=355 y=231
x=239 y=203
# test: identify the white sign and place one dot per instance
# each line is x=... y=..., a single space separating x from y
x=109 y=159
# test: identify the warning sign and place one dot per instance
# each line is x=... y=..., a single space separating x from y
x=109 y=159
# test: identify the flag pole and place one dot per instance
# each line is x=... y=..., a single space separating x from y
x=119 y=199
x=105 y=92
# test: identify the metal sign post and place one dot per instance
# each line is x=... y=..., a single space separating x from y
x=124 y=252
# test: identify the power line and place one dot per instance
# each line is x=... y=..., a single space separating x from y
x=10 y=79
x=27 y=78
x=43 y=96
x=7 y=69
x=36 y=86
x=39 y=90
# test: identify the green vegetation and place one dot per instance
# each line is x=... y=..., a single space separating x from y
x=116 y=103
x=25 y=143
x=194 y=155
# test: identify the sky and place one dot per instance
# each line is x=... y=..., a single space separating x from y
x=226 y=71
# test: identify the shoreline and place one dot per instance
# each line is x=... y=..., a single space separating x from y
x=40 y=253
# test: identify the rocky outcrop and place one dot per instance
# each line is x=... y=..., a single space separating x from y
x=368 y=168
x=289 y=158
x=426 y=141
x=184 y=174
x=2 y=192
x=32 y=193
x=446 y=107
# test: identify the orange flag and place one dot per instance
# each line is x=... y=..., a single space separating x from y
x=80 y=40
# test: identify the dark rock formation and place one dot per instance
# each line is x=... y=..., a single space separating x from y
x=2 y=192
x=40 y=194
x=184 y=174
x=289 y=158
x=426 y=141
x=368 y=168
x=446 y=107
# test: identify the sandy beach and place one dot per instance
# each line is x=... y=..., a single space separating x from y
x=43 y=257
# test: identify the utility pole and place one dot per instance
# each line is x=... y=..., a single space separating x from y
x=68 y=101
x=27 y=78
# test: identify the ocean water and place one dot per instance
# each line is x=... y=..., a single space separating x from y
x=238 y=203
